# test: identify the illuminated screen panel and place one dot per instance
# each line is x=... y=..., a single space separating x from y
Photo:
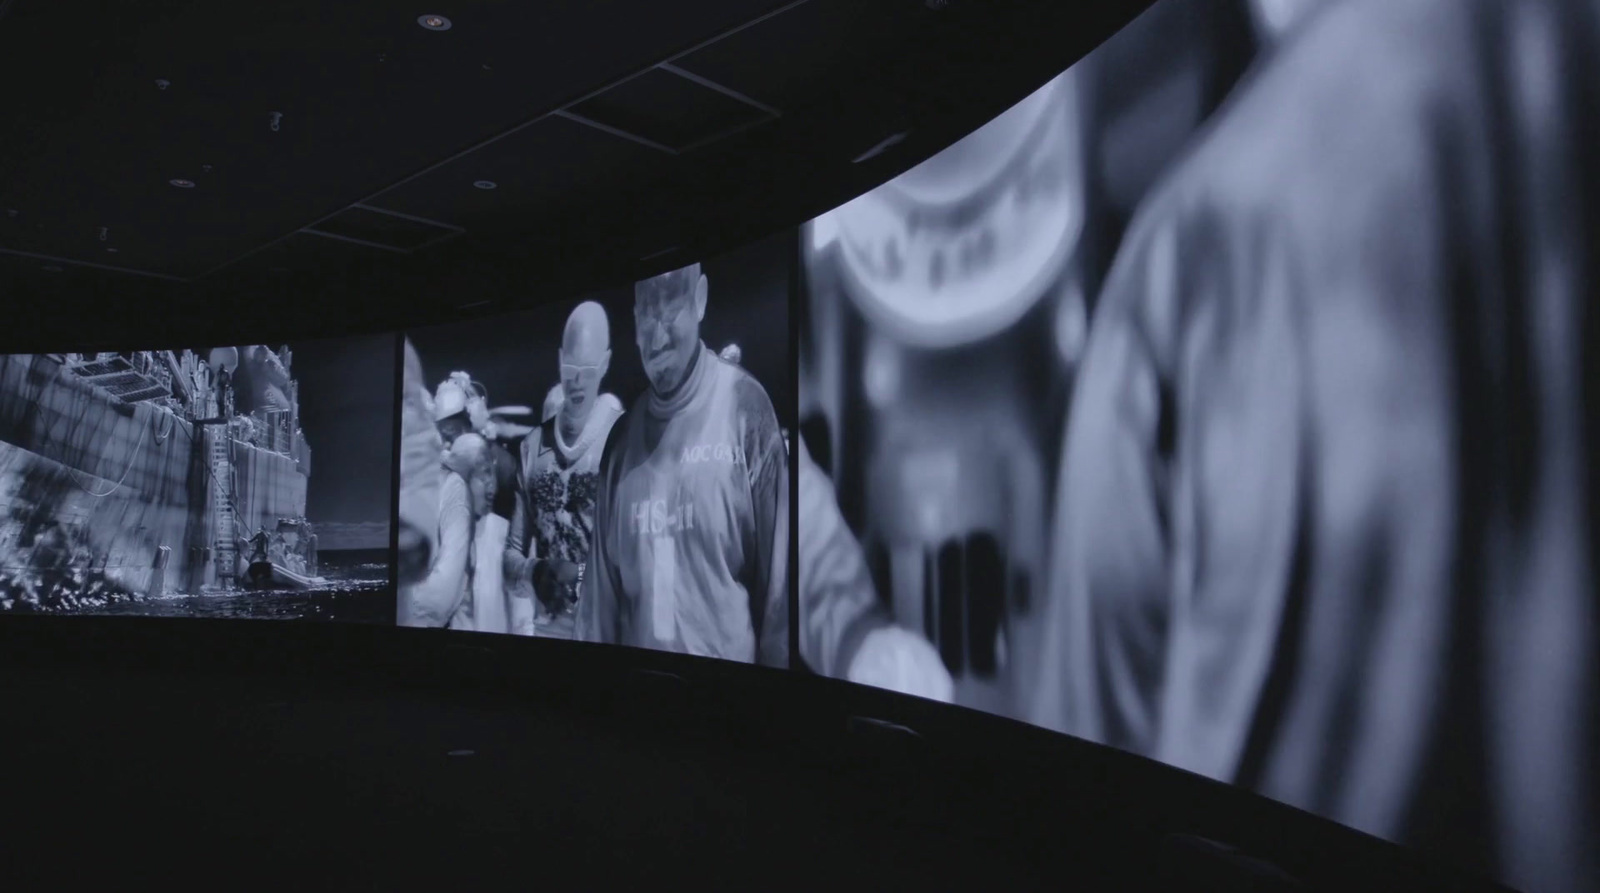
x=1192 y=407
x=239 y=481
x=613 y=469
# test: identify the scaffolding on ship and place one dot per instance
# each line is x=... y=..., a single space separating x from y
x=173 y=383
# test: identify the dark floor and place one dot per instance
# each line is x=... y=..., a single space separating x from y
x=220 y=755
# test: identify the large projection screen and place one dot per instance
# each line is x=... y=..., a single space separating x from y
x=225 y=482
x=1222 y=401
x=613 y=469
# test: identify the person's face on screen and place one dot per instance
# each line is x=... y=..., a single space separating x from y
x=585 y=357
x=667 y=325
x=453 y=427
x=482 y=487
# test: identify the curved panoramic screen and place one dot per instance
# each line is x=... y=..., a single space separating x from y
x=613 y=470
x=232 y=481
x=1221 y=402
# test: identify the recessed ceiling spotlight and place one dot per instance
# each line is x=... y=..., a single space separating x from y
x=182 y=184
x=111 y=250
x=434 y=23
x=485 y=184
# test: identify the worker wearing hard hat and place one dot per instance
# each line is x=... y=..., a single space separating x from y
x=460 y=410
x=548 y=545
x=452 y=594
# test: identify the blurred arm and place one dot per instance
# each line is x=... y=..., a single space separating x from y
x=769 y=587
x=838 y=605
x=420 y=478
x=597 y=612
x=520 y=556
x=432 y=602
x=1103 y=640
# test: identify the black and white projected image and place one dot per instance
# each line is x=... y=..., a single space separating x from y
x=613 y=470
x=1229 y=401
x=228 y=482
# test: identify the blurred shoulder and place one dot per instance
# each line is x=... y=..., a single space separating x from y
x=1346 y=130
x=610 y=407
x=616 y=436
x=750 y=399
x=1352 y=102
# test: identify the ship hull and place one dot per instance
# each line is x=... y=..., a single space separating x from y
x=129 y=486
x=266 y=575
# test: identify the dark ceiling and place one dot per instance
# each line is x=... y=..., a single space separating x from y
x=340 y=167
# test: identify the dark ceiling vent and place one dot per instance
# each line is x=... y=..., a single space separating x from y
x=671 y=109
x=387 y=230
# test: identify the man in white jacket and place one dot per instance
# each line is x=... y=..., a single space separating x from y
x=453 y=594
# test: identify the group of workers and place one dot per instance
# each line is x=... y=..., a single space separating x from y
x=664 y=525
x=1325 y=513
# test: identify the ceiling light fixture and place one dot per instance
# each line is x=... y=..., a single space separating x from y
x=485 y=184
x=182 y=184
x=434 y=23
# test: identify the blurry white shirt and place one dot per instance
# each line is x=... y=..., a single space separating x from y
x=489 y=608
x=437 y=599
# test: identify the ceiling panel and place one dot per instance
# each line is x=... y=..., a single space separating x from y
x=366 y=96
x=399 y=231
x=122 y=97
x=671 y=110
x=541 y=167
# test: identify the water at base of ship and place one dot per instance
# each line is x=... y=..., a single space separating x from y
x=357 y=592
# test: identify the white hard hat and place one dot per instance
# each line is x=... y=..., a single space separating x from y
x=450 y=399
x=477 y=412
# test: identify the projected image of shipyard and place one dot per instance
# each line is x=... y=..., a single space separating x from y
x=233 y=481
x=610 y=470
